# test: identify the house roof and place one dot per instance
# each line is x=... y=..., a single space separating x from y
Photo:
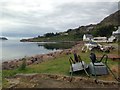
x=88 y=35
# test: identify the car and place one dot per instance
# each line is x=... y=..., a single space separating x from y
x=91 y=45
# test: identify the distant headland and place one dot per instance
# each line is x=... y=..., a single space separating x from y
x=103 y=28
x=3 y=38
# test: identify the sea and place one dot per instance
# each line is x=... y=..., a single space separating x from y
x=14 y=49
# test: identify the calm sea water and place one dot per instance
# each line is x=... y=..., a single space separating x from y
x=14 y=49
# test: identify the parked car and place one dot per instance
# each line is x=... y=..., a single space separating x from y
x=91 y=45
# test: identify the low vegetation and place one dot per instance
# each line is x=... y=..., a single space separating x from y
x=23 y=65
x=59 y=45
x=74 y=34
x=104 y=31
x=59 y=65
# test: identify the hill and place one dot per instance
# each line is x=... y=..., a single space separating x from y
x=113 y=19
x=104 y=28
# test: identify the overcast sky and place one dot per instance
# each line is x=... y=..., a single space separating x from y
x=37 y=17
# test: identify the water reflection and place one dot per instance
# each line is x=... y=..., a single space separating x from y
x=13 y=49
x=56 y=46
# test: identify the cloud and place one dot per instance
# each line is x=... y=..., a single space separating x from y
x=29 y=17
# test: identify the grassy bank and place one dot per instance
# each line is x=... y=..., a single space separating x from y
x=59 y=65
x=59 y=45
x=58 y=38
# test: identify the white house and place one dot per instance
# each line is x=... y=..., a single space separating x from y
x=89 y=28
x=87 y=37
x=99 y=39
x=117 y=34
x=64 y=34
x=111 y=39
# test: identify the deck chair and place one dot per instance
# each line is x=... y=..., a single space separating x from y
x=77 y=65
x=97 y=67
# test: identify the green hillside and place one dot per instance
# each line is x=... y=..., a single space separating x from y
x=104 y=28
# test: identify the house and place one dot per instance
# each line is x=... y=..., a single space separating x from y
x=99 y=39
x=87 y=37
x=89 y=28
x=111 y=39
x=117 y=34
x=65 y=34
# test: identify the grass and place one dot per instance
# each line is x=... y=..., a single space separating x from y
x=59 y=65
x=59 y=38
x=0 y=79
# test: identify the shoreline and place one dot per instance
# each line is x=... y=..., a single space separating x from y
x=46 y=45
x=27 y=56
x=32 y=40
x=13 y=64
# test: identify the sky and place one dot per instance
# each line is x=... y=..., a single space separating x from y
x=20 y=18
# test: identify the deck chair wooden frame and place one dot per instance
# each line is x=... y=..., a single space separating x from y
x=80 y=65
x=105 y=63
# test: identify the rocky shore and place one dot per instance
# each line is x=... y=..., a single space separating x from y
x=13 y=64
x=36 y=80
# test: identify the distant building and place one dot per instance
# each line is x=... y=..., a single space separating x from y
x=99 y=39
x=64 y=34
x=117 y=34
x=89 y=28
x=111 y=39
x=87 y=37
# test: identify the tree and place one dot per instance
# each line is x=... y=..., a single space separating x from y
x=49 y=34
x=56 y=34
x=39 y=36
x=104 y=31
x=69 y=30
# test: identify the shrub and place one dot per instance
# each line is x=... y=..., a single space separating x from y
x=23 y=65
